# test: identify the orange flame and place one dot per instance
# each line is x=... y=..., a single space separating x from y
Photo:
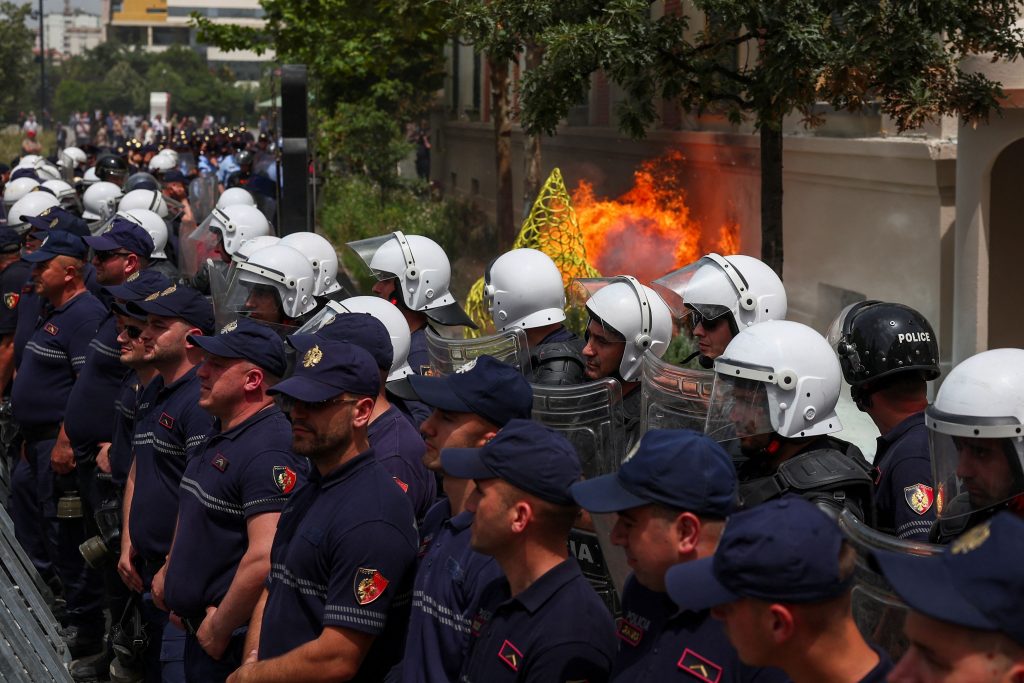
x=648 y=231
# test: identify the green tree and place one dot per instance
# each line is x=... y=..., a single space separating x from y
x=16 y=42
x=764 y=59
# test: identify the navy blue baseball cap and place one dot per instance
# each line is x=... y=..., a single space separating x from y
x=365 y=331
x=524 y=453
x=177 y=301
x=10 y=240
x=785 y=550
x=174 y=176
x=58 y=218
x=325 y=368
x=976 y=582
x=678 y=468
x=123 y=234
x=139 y=285
x=485 y=386
x=58 y=243
x=248 y=339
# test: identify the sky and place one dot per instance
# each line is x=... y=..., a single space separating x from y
x=50 y=6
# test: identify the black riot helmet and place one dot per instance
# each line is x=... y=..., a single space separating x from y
x=875 y=339
x=141 y=181
x=112 y=168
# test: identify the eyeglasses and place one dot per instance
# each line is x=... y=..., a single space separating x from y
x=287 y=403
x=104 y=256
x=132 y=331
x=709 y=324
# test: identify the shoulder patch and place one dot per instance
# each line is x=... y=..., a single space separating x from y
x=628 y=632
x=919 y=497
x=699 y=667
x=368 y=585
x=220 y=462
x=511 y=655
x=166 y=421
x=285 y=478
x=11 y=300
x=50 y=328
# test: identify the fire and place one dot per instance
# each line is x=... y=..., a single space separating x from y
x=648 y=231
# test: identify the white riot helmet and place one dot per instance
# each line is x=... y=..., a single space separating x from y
x=629 y=311
x=18 y=188
x=250 y=247
x=235 y=224
x=29 y=161
x=90 y=177
x=277 y=269
x=383 y=311
x=32 y=204
x=423 y=272
x=150 y=200
x=742 y=286
x=170 y=154
x=523 y=288
x=47 y=171
x=233 y=196
x=976 y=430
x=321 y=256
x=99 y=202
x=70 y=158
x=777 y=376
x=153 y=224
x=65 y=193
x=161 y=163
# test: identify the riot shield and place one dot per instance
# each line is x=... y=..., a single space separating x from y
x=877 y=609
x=673 y=397
x=202 y=196
x=448 y=355
x=591 y=417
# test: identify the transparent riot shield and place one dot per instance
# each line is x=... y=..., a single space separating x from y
x=448 y=355
x=591 y=417
x=237 y=293
x=197 y=244
x=202 y=196
x=877 y=609
x=673 y=397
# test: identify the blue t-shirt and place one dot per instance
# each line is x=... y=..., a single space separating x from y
x=450 y=577
x=343 y=556
x=237 y=474
x=54 y=355
x=659 y=642
x=170 y=428
x=128 y=396
x=89 y=418
x=29 y=310
x=904 y=493
x=400 y=448
x=555 y=630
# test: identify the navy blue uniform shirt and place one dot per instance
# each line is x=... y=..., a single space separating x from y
x=419 y=359
x=128 y=396
x=89 y=419
x=659 y=642
x=400 y=448
x=557 y=630
x=170 y=428
x=53 y=357
x=343 y=556
x=562 y=334
x=904 y=494
x=450 y=578
x=245 y=471
x=30 y=308
x=12 y=279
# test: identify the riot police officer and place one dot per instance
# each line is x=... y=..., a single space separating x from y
x=888 y=353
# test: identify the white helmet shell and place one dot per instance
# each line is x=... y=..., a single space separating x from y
x=235 y=195
x=100 y=201
x=798 y=370
x=90 y=177
x=398 y=328
x=70 y=157
x=29 y=161
x=32 y=204
x=161 y=163
x=286 y=270
x=250 y=247
x=47 y=171
x=524 y=289
x=322 y=257
x=18 y=188
x=237 y=224
x=637 y=313
x=66 y=194
x=150 y=200
x=154 y=225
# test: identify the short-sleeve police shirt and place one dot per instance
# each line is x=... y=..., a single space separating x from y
x=400 y=448
x=12 y=280
x=29 y=309
x=904 y=494
x=556 y=630
x=240 y=473
x=449 y=581
x=89 y=419
x=343 y=556
x=658 y=642
x=54 y=355
x=169 y=431
x=125 y=404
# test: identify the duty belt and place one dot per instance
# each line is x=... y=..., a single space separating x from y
x=40 y=432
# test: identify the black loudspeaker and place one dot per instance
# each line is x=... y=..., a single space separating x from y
x=295 y=205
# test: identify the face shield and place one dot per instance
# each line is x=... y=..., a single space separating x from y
x=387 y=256
x=704 y=290
x=976 y=462
x=739 y=408
x=205 y=242
x=249 y=295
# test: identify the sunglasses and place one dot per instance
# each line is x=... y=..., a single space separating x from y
x=709 y=324
x=104 y=256
x=287 y=403
x=132 y=331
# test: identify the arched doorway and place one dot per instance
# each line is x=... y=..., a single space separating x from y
x=1005 y=247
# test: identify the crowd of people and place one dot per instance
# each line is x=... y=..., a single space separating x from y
x=230 y=468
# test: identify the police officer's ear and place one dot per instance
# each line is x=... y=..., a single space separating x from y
x=687 y=528
x=195 y=332
x=780 y=622
x=254 y=379
x=362 y=410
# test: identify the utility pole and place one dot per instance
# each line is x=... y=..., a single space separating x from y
x=42 y=68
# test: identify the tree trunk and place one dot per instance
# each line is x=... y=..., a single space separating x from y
x=502 y=152
x=532 y=156
x=771 y=196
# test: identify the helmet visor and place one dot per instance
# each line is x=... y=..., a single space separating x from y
x=202 y=243
x=391 y=262
x=739 y=408
x=711 y=286
x=250 y=295
x=325 y=316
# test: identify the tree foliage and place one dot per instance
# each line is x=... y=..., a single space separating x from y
x=16 y=42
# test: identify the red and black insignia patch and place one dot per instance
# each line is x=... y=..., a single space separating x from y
x=166 y=421
x=285 y=478
x=50 y=328
x=511 y=655
x=699 y=667
x=11 y=300
x=220 y=462
x=401 y=484
x=368 y=585
x=919 y=497
x=628 y=632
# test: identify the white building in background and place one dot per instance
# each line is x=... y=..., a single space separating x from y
x=70 y=33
